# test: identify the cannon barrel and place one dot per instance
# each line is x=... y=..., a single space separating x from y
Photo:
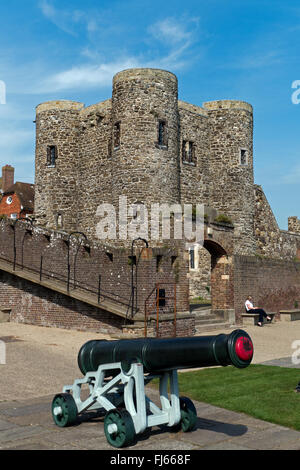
x=161 y=354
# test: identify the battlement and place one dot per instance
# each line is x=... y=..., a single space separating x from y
x=59 y=105
x=144 y=73
x=294 y=224
x=228 y=105
x=192 y=108
x=103 y=107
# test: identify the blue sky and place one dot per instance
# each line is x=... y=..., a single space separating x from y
x=219 y=49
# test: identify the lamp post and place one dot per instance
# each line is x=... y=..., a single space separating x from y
x=72 y=233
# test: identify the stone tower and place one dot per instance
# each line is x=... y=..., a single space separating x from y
x=231 y=167
x=56 y=163
x=145 y=126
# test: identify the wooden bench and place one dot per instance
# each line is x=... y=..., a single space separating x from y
x=290 y=315
x=252 y=318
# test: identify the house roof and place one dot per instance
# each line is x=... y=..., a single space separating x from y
x=25 y=193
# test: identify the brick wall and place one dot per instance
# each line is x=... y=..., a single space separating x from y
x=273 y=284
x=8 y=209
x=88 y=260
x=33 y=304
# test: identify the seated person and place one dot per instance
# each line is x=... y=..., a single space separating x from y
x=251 y=309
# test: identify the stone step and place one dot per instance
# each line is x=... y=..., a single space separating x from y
x=208 y=321
x=211 y=327
x=206 y=311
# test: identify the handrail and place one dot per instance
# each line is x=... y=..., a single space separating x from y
x=62 y=278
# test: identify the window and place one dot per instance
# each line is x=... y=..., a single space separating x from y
x=161 y=293
x=243 y=157
x=14 y=216
x=51 y=156
x=162 y=138
x=188 y=152
x=59 y=221
x=9 y=200
x=192 y=259
x=117 y=135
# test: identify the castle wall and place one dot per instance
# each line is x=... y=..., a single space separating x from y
x=195 y=174
x=132 y=145
x=89 y=259
x=271 y=241
x=94 y=175
x=294 y=224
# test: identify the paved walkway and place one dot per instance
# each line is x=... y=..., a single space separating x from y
x=39 y=361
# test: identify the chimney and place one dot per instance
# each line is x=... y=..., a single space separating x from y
x=8 y=173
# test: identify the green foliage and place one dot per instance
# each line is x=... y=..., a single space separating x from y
x=223 y=219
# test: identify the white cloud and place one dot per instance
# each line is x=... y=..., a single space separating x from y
x=170 y=31
x=60 y=18
x=88 y=76
x=68 y=20
x=174 y=35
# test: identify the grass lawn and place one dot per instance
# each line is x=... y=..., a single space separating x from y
x=264 y=392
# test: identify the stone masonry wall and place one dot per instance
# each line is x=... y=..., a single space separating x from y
x=111 y=149
x=231 y=131
x=94 y=176
x=57 y=124
x=194 y=176
x=271 y=241
x=294 y=224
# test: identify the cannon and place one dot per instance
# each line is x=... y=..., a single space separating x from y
x=116 y=373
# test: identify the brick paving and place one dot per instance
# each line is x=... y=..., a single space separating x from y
x=36 y=370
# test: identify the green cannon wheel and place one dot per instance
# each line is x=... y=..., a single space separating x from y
x=64 y=410
x=119 y=428
x=188 y=416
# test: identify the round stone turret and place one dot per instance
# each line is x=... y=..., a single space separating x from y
x=231 y=167
x=57 y=130
x=145 y=127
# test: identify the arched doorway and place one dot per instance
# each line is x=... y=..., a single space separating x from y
x=221 y=279
x=212 y=266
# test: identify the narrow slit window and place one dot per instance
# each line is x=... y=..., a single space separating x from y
x=162 y=139
x=117 y=135
x=51 y=156
x=192 y=259
x=243 y=157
